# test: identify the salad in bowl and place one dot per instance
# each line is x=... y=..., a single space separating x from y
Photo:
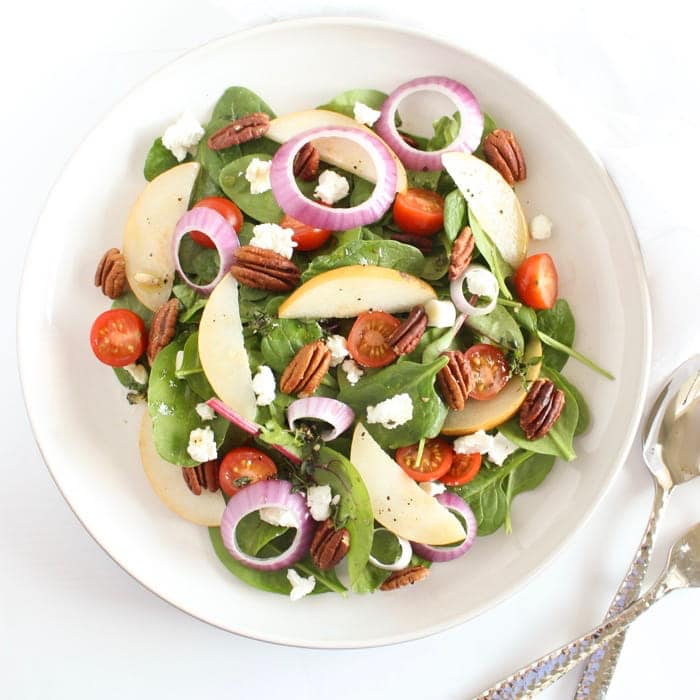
x=351 y=365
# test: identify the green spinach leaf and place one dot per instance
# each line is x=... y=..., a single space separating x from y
x=345 y=102
x=437 y=262
x=500 y=268
x=558 y=323
x=584 y=413
x=445 y=130
x=455 y=214
x=416 y=380
x=444 y=341
x=191 y=302
x=200 y=264
x=253 y=534
x=129 y=301
x=489 y=126
x=424 y=179
x=527 y=477
x=159 y=159
x=285 y=338
x=500 y=328
x=191 y=369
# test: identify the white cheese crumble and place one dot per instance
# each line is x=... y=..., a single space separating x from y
x=353 y=371
x=502 y=447
x=264 y=386
x=441 y=313
x=365 y=114
x=540 y=227
x=202 y=445
x=339 y=349
x=319 y=500
x=331 y=187
x=138 y=373
x=204 y=411
x=179 y=359
x=281 y=517
x=433 y=488
x=258 y=175
x=479 y=442
x=182 y=136
x=274 y=237
x=300 y=586
x=392 y=412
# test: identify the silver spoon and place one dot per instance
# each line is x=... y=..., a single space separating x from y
x=671 y=449
x=682 y=571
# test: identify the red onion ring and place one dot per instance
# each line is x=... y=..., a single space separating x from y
x=295 y=204
x=470 y=130
x=274 y=493
x=332 y=411
x=452 y=502
x=247 y=426
x=219 y=231
x=460 y=301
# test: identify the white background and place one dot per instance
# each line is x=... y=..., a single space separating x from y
x=74 y=625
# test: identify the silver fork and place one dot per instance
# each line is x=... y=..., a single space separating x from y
x=682 y=571
x=671 y=449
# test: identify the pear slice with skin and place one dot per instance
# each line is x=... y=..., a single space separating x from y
x=334 y=151
x=493 y=202
x=150 y=267
x=398 y=503
x=168 y=484
x=348 y=291
x=484 y=415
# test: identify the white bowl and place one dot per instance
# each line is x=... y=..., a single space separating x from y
x=88 y=433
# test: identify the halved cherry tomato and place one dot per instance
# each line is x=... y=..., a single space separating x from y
x=118 y=337
x=435 y=462
x=227 y=209
x=537 y=282
x=306 y=237
x=419 y=212
x=464 y=468
x=367 y=341
x=243 y=466
x=489 y=369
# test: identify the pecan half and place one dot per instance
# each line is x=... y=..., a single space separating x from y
x=455 y=380
x=461 y=256
x=162 y=328
x=407 y=336
x=306 y=162
x=405 y=577
x=502 y=152
x=541 y=409
x=203 y=477
x=111 y=273
x=329 y=545
x=423 y=243
x=265 y=269
x=307 y=369
x=247 y=128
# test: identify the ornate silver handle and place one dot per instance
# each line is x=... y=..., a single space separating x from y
x=599 y=669
x=532 y=679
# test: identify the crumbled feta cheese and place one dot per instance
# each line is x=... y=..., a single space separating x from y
x=179 y=359
x=331 y=187
x=202 y=445
x=204 y=411
x=274 y=237
x=364 y=114
x=339 y=349
x=433 y=488
x=479 y=442
x=481 y=282
x=441 y=313
x=264 y=386
x=182 y=136
x=300 y=586
x=319 y=500
x=281 y=517
x=501 y=448
x=392 y=412
x=258 y=175
x=353 y=371
x=138 y=373
x=540 y=227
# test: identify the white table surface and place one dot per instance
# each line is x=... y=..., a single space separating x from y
x=74 y=625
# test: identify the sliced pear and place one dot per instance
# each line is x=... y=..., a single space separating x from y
x=222 y=352
x=335 y=151
x=348 y=291
x=398 y=503
x=150 y=268
x=493 y=202
x=168 y=484
x=484 y=415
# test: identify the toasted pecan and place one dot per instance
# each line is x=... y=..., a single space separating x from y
x=162 y=329
x=111 y=273
x=407 y=336
x=306 y=371
x=306 y=162
x=329 y=545
x=203 y=477
x=541 y=409
x=502 y=152
x=405 y=577
x=461 y=255
x=455 y=380
x=265 y=269
x=247 y=128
